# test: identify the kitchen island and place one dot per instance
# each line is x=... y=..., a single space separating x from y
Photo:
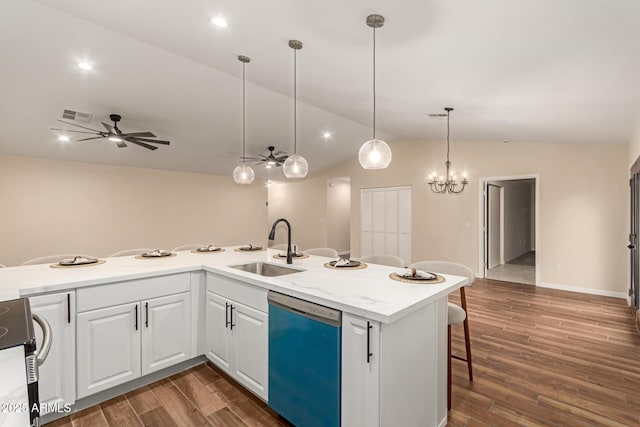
x=399 y=380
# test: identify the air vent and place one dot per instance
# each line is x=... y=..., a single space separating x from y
x=76 y=116
x=437 y=115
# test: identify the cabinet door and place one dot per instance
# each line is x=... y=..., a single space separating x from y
x=218 y=335
x=166 y=331
x=57 y=382
x=360 y=374
x=108 y=347
x=250 y=349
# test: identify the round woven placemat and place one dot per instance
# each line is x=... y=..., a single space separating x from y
x=100 y=261
x=397 y=277
x=358 y=267
x=155 y=257
x=252 y=250
x=276 y=256
x=195 y=251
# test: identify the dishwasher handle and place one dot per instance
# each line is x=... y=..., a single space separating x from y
x=47 y=336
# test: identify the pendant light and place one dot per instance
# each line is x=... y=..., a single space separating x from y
x=375 y=153
x=447 y=183
x=243 y=174
x=295 y=166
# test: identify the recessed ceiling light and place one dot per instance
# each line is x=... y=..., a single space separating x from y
x=64 y=138
x=326 y=135
x=115 y=139
x=85 y=66
x=506 y=140
x=219 y=21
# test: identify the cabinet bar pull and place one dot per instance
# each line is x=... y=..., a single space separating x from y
x=226 y=315
x=136 y=317
x=146 y=314
x=369 y=354
x=232 y=324
x=68 y=308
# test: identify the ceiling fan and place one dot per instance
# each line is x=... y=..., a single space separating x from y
x=274 y=159
x=114 y=134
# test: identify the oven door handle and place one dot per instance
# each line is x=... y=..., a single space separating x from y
x=43 y=352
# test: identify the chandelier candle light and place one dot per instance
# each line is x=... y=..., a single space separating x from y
x=375 y=153
x=295 y=166
x=447 y=183
x=243 y=174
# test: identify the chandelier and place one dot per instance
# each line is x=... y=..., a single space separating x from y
x=447 y=184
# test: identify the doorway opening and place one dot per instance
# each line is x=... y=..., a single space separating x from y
x=339 y=215
x=509 y=231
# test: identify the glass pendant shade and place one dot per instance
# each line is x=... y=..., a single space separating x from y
x=295 y=166
x=374 y=154
x=243 y=174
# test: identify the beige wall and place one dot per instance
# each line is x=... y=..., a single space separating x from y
x=53 y=207
x=583 y=205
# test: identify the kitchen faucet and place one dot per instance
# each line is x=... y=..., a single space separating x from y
x=272 y=235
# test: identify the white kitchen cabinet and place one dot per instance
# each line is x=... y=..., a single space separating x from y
x=217 y=332
x=237 y=331
x=108 y=347
x=401 y=383
x=57 y=382
x=360 y=371
x=122 y=336
x=166 y=331
x=250 y=337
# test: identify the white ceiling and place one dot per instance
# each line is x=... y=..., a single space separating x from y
x=531 y=70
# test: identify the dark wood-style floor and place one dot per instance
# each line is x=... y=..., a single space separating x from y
x=541 y=357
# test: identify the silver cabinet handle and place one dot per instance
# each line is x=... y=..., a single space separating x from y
x=47 y=336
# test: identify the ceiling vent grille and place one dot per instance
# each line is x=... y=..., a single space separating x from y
x=76 y=116
x=437 y=115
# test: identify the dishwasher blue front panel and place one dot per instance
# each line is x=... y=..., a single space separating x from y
x=304 y=369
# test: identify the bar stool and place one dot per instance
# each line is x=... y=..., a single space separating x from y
x=455 y=313
x=390 y=260
x=129 y=252
x=328 y=252
x=189 y=247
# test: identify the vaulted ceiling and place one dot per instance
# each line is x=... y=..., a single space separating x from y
x=532 y=70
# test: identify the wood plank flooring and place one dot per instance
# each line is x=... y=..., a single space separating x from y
x=540 y=357
x=546 y=357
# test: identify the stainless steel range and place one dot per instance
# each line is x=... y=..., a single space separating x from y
x=19 y=360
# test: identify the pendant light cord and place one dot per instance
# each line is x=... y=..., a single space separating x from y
x=243 y=115
x=448 y=132
x=374 y=83
x=295 y=102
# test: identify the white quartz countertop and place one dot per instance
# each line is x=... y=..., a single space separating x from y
x=366 y=292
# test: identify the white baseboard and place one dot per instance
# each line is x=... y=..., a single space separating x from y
x=621 y=295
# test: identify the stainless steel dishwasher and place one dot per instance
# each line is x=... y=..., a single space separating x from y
x=304 y=361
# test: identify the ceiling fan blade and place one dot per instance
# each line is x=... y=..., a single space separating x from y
x=121 y=144
x=281 y=159
x=73 y=124
x=250 y=158
x=108 y=127
x=277 y=153
x=136 y=134
x=142 y=144
x=77 y=131
x=88 y=139
x=155 y=141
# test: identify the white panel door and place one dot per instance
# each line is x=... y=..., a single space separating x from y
x=108 y=348
x=386 y=222
x=217 y=331
x=57 y=382
x=360 y=374
x=166 y=331
x=250 y=348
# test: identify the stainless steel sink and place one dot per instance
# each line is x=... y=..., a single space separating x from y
x=266 y=269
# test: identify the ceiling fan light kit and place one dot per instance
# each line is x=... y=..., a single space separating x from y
x=295 y=166
x=375 y=153
x=114 y=134
x=243 y=174
x=447 y=183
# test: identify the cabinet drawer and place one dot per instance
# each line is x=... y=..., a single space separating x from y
x=238 y=291
x=131 y=290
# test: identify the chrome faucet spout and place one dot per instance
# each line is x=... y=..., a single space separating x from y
x=272 y=235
